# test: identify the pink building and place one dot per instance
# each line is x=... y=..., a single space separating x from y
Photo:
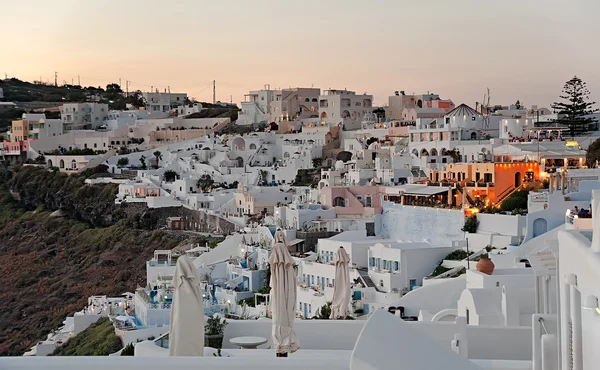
x=353 y=200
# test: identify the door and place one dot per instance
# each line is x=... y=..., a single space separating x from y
x=412 y=284
x=305 y=311
x=540 y=226
x=366 y=308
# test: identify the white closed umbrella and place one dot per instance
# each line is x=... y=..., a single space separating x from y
x=283 y=297
x=186 y=333
x=341 y=289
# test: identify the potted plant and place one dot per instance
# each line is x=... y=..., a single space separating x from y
x=213 y=331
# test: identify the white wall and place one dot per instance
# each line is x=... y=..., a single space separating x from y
x=446 y=293
x=439 y=226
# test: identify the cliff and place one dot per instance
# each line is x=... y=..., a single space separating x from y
x=50 y=265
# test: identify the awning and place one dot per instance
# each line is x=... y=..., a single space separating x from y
x=295 y=241
x=426 y=190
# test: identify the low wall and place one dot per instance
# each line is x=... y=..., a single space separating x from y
x=132 y=336
x=312 y=334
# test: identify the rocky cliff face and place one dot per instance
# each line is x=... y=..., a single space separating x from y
x=50 y=265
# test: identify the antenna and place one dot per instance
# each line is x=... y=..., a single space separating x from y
x=127 y=88
x=214 y=91
x=55 y=79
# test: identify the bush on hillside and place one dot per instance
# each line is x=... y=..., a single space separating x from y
x=97 y=340
x=517 y=200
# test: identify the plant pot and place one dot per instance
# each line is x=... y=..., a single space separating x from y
x=214 y=340
x=485 y=265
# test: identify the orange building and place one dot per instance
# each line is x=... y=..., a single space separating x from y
x=492 y=181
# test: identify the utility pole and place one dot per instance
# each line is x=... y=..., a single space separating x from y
x=55 y=79
x=214 y=92
x=127 y=88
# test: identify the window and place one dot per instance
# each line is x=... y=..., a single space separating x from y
x=95 y=145
x=339 y=202
x=467 y=314
x=396 y=266
x=369 y=202
x=372 y=261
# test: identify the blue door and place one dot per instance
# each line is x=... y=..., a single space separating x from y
x=366 y=308
x=412 y=283
x=305 y=311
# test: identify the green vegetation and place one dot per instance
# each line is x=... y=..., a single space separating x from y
x=128 y=350
x=324 y=312
x=122 y=162
x=575 y=109
x=215 y=326
x=593 y=155
x=308 y=177
x=471 y=224
x=205 y=182
x=170 y=175
x=97 y=340
x=516 y=202
x=457 y=255
x=343 y=156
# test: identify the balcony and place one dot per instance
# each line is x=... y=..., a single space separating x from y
x=579 y=223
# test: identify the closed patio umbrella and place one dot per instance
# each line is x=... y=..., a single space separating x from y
x=283 y=297
x=341 y=289
x=186 y=333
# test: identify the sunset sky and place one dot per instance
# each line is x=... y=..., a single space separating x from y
x=521 y=49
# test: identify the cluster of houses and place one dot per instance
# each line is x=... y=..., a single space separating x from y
x=395 y=191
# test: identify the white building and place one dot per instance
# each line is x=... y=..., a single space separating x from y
x=163 y=102
x=256 y=106
x=294 y=103
x=187 y=109
x=344 y=108
x=77 y=116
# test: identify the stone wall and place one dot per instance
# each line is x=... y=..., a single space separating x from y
x=203 y=222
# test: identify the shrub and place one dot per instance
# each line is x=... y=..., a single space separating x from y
x=517 y=200
x=97 y=340
x=128 y=350
x=324 y=312
x=471 y=224
x=215 y=326
x=170 y=176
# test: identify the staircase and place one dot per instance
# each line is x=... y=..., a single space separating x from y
x=505 y=194
x=465 y=194
x=366 y=281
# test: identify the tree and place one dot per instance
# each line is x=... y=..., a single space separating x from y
x=317 y=162
x=324 y=312
x=136 y=99
x=593 y=154
x=143 y=162
x=158 y=155
x=122 y=162
x=113 y=92
x=205 y=182
x=344 y=156
x=170 y=175
x=575 y=110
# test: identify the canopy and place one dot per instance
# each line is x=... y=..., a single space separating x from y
x=283 y=296
x=341 y=289
x=186 y=333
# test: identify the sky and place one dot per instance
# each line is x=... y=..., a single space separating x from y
x=522 y=49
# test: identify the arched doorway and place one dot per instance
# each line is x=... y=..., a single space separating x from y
x=517 y=179
x=434 y=152
x=540 y=226
x=49 y=163
x=61 y=164
x=240 y=161
x=424 y=153
x=473 y=135
x=324 y=115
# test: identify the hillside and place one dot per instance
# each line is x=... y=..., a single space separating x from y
x=97 y=340
x=50 y=265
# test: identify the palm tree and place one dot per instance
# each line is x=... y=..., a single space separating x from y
x=158 y=156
